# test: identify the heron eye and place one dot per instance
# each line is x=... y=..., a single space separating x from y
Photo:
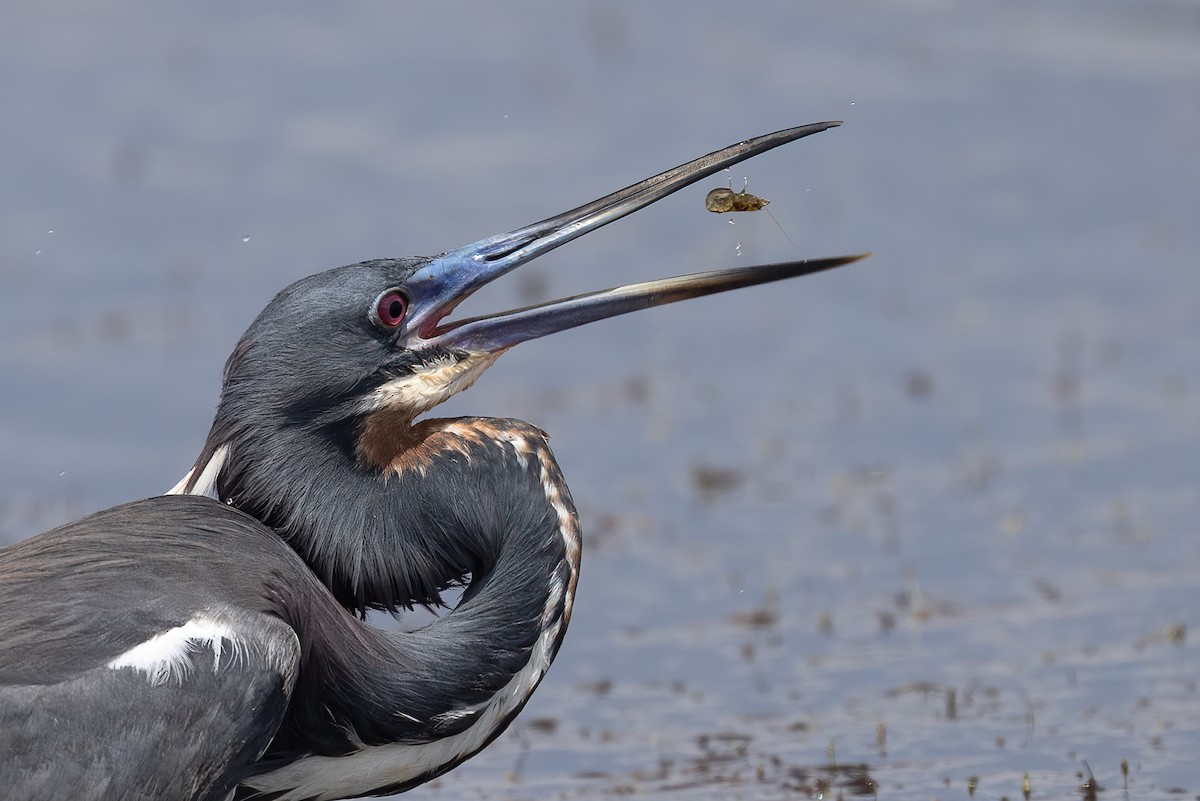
x=391 y=308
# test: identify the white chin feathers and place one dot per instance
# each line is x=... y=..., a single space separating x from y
x=432 y=383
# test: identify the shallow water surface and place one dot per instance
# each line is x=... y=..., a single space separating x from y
x=922 y=524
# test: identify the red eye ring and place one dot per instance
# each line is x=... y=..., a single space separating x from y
x=390 y=309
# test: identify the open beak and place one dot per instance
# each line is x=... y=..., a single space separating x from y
x=438 y=286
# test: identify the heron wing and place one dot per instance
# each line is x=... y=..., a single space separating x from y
x=136 y=660
x=180 y=720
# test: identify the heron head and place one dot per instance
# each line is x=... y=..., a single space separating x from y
x=321 y=393
x=379 y=336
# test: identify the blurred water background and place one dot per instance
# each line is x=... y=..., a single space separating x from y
x=918 y=526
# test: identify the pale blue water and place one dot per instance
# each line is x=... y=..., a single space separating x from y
x=967 y=467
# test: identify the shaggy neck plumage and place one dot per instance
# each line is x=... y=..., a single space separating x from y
x=469 y=495
x=442 y=677
x=386 y=515
x=390 y=538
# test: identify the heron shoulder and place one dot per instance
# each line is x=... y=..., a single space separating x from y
x=185 y=714
x=167 y=575
x=148 y=641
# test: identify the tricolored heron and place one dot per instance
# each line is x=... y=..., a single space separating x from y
x=210 y=643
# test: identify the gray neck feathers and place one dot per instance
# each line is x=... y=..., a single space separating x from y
x=483 y=497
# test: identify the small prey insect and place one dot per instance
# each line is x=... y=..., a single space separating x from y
x=722 y=199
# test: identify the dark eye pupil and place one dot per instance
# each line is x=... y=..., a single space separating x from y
x=395 y=309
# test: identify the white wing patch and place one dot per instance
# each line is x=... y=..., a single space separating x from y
x=168 y=656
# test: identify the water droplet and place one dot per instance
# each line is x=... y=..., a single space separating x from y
x=246 y=238
x=731 y=222
x=852 y=103
x=63 y=473
x=738 y=249
x=50 y=231
x=37 y=252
